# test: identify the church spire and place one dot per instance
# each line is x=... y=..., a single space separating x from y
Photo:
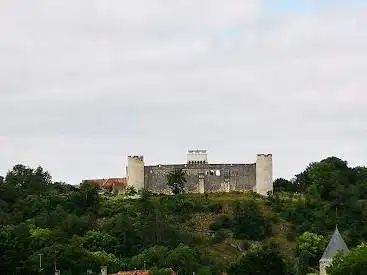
x=336 y=244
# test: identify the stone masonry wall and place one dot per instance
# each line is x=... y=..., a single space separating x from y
x=216 y=177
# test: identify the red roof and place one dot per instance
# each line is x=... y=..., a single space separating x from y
x=108 y=182
x=135 y=272
x=138 y=272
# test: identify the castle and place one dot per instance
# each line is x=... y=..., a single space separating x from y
x=203 y=177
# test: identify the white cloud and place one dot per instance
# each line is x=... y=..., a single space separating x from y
x=85 y=83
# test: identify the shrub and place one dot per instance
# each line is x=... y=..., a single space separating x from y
x=245 y=245
x=216 y=208
x=248 y=222
x=222 y=222
x=220 y=236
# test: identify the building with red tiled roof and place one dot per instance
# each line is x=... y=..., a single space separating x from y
x=135 y=272
x=113 y=184
x=139 y=272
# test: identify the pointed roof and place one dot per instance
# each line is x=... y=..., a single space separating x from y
x=336 y=244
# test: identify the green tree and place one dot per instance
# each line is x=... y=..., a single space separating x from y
x=176 y=181
x=266 y=261
x=283 y=185
x=121 y=227
x=154 y=257
x=29 y=180
x=204 y=271
x=41 y=237
x=84 y=200
x=361 y=181
x=183 y=259
x=330 y=179
x=80 y=230
x=152 y=222
x=131 y=191
x=354 y=262
x=70 y=258
x=248 y=221
x=327 y=185
x=14 y=249
x=99 y=241
x=101 y=258
x=310 y=247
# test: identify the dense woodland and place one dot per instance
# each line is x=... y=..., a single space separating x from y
x=81 y=229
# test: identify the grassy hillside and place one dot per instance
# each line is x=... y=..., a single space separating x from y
x=240 y=233
x=199 y=219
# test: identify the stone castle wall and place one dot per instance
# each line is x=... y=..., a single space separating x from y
x=203 y=177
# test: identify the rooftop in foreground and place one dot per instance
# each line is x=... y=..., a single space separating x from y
x=336 y=244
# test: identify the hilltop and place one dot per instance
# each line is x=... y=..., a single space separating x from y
x=80 y=229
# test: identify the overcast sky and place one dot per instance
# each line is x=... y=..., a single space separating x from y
x=83 y=84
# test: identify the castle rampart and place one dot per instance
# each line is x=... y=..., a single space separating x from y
x=203 y=177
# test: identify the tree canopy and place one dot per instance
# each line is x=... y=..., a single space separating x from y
x=81 y=228
x=354 y=262
x=260 y=261
x=176 y=180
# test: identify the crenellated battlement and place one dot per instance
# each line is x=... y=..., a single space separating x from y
x=264 y=155
x=137 y=157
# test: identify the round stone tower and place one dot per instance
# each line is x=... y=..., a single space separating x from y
x=135 y=172
x=264 y=174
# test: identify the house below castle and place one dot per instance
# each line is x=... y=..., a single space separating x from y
x=114 y=185
x=133 y=272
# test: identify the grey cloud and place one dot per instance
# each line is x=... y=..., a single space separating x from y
x=83 y=84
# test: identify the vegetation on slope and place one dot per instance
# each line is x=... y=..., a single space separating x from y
x=239 y=233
